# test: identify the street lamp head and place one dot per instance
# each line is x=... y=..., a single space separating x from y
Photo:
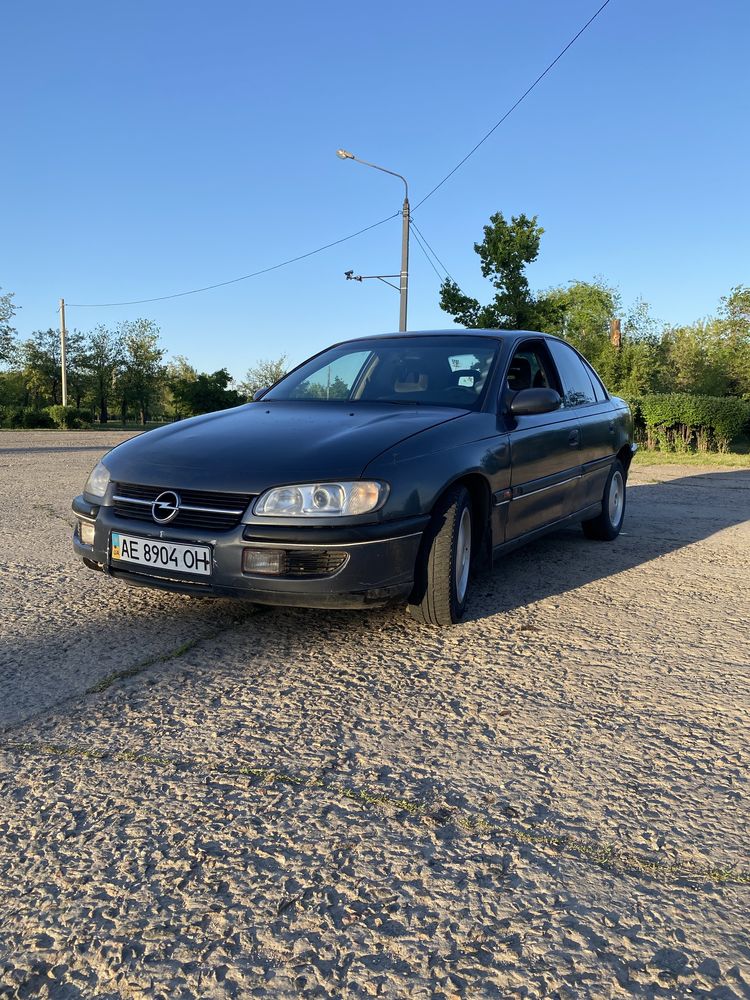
x=344 y=154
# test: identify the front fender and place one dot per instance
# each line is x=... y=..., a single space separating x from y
x=423 y=467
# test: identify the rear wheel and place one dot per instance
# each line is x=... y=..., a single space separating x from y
x=442 y=583
x=607 y=525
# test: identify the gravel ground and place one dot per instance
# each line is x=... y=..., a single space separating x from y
x=202 y=799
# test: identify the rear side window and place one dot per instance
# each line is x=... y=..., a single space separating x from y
x=599 y=391
x=576 y=384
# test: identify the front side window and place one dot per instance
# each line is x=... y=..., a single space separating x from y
x=577 y=389
x=530 y=369
x=433 y=371
x=333 y=380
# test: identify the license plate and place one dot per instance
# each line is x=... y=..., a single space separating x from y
x=157 y=554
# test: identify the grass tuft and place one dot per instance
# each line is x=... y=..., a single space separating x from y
x=611 y=857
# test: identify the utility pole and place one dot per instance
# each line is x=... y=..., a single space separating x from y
x=62 y=354
x=404 y=283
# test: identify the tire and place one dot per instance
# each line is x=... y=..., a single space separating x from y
x=444 y=568
x=607 y=525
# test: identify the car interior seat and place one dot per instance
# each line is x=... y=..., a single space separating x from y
x=519 y=374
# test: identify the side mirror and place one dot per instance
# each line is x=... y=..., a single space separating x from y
x=258 y=394
x=529 y=402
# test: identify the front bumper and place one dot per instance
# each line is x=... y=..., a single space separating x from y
x=379 y=568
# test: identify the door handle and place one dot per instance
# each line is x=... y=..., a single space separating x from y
x=573 y=438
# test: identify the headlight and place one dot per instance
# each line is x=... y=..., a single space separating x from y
x=98 y=481
x=322 y=499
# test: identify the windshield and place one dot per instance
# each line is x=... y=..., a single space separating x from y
x=432 y=371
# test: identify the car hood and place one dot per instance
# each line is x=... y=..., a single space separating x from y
x=251 y=448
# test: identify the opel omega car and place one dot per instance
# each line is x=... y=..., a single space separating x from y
x=383 y=469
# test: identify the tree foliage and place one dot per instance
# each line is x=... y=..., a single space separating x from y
x=263 y=375
x=504 y=252
x=710 y=357
x=41 y=366
x=103 y=361
x=580 y=313
x=143 y=372
x=7 y=332
x=204 y=393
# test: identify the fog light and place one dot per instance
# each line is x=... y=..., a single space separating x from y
x=271 y=562
x=86 y=531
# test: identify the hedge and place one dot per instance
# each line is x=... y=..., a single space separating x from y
x=68 y=416
x=28 y=417
x=24 y=417
x=681 y=422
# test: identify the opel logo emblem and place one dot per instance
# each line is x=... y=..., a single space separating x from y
x=166 y=507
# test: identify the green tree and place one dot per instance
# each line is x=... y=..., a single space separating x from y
x=504 y=253
x=143 y=372
x=102 y=361
x=711 y=357
x=177 y=371
x=694 y=360
x=180 y=368
x=580 y=313
x=7 y=332
x=13 y=390
x=263 y=375
x=41 y=366
x=733 y=339
x=205 y=393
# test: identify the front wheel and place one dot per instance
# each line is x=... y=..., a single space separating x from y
x=607 y=525
x=442 y=581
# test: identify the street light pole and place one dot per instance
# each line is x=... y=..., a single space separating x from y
x=404 y=276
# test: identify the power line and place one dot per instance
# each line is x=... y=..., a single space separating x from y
x=419 y=233
x=427 y=256
x=344 y=239
x=233 y=281
x=510 y=110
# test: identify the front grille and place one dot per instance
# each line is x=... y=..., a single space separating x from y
x=316 y=562
x=213 y=511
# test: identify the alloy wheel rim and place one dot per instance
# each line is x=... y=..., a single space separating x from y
x=463 y=554
x=616 y=499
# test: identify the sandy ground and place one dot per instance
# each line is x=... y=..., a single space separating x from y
x=204 y=800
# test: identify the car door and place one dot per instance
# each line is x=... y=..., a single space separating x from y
x=545 y=448
x=584 y=393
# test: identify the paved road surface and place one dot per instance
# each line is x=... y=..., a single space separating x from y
x=551 y=800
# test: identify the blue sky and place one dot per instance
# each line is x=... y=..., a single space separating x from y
x=151 y=148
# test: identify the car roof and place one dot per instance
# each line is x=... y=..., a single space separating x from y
x=491 y=334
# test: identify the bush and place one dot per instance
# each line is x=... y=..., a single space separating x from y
x=68 y=417
x=11 y=416
x=24 y=417
x=37 y=418
x=639 y=424
x=680 y=422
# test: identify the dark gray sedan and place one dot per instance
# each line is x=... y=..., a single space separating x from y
x=383 y=469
